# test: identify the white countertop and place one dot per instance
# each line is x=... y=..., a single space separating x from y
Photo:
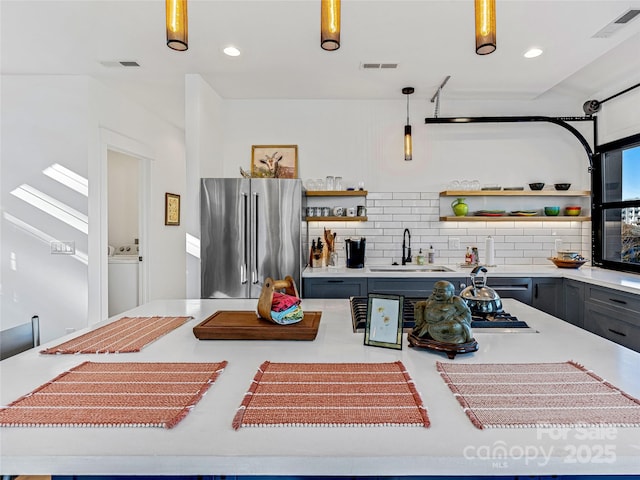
x=627 y=282
x=205 y=443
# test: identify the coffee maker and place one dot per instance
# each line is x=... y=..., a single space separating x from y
x=355 y=252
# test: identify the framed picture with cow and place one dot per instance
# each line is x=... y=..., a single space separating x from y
x=274 y=161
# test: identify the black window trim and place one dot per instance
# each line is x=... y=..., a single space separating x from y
x=598 y=207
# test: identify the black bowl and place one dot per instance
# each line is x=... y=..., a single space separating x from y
x=536 y=186
x=562 y=186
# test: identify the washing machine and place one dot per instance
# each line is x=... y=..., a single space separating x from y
x=124 y=277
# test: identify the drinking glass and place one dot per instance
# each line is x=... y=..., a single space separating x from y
x=337 y=184
x=329 y=182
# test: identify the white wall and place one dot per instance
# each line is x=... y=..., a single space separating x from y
x=204 y=134
x=362 y=140
x=619 y=117
x=58 y=119
x=44 y=121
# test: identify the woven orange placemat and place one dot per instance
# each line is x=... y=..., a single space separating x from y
x=538 y=395
x=125 y=335
x=331 y=394
x=115 y=395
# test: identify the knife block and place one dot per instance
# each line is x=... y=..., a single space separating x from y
x=266 y=295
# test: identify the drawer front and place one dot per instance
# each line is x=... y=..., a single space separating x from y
x=334 y=287
x=614 y=298
x=621 y=328
x=409 y=287
x=507 y=287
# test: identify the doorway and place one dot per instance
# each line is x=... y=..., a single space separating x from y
x=123 y=225
x=111 y=141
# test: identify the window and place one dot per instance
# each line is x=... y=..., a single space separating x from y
x=616 y=209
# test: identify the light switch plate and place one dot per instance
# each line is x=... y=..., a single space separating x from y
x=63 y=248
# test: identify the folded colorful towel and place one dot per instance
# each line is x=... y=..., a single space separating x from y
x=291 y=315
x=281 y=301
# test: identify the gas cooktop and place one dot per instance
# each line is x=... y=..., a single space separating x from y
x=499 y=320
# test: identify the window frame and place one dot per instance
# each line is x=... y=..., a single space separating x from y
x=599 y=207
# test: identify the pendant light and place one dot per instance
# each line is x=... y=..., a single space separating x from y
x=177 y=25
x=408 y=145
x=330 y=24
x=485 y=26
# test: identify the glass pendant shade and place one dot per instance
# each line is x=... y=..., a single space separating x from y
x=408 y=147
x=330 y=24
x=485 y=26
x=177 y=25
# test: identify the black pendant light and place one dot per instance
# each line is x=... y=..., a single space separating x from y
x=330 y=24
x=485 y=26
x=408 y=145
x=177 y=25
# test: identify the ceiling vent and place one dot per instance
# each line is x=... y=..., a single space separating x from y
x=378 y=66
x=118 y=64
x=617 y=24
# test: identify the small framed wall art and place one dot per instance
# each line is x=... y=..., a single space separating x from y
x=171 y=209
x=274 y=161
x=384 y=321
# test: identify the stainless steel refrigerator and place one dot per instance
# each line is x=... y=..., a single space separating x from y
x=249 y=230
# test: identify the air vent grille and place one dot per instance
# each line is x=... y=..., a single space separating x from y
x=627 y=17
x=378 y=66
x=119 y=63
x=617 y=24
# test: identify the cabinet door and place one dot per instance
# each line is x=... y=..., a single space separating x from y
x=573 y=302
x=547 y=295
x=334 y=287
x=615 y=324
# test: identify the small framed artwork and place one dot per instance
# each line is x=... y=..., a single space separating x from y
x=274 y=161
x=384 y=321
x=171 y=209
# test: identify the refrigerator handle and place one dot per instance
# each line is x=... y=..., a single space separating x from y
x=243 y=223
x=254 y=240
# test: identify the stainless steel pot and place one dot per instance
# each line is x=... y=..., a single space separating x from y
x=481 y=299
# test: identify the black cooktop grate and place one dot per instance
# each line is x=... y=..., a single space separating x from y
x=497 y=320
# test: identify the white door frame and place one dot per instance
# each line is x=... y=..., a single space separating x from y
x=99 y=235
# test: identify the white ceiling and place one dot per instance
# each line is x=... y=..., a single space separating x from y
x=282 y=59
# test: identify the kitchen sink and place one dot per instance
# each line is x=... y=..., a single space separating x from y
x=410 y=268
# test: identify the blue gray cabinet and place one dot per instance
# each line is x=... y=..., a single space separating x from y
x=547 y=295
x=334 y=287
x=573 y=302
x=613 y=315
x=409 y=287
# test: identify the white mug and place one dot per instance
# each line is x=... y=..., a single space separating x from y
x=351 y=212
x=338 y=211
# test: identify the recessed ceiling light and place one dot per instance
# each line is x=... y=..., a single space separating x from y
x=231 y=51
x=532 y=53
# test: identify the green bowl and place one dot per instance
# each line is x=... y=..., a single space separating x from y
x=551 y=211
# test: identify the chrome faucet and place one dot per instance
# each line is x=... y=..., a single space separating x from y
x=406 y=259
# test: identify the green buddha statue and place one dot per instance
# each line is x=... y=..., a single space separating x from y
x=444 y=316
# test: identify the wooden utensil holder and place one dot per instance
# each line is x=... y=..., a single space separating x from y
x=266 y=295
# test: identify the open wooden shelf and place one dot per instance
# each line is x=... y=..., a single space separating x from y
x=515 y=218
x=335 y=193
x=516 y=193
x=336 y=219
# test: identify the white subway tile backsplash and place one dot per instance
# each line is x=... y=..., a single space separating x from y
x=389 y=213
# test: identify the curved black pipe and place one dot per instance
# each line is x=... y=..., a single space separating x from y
x=560 y=121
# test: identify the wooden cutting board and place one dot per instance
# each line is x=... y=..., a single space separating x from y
x=246 y=325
